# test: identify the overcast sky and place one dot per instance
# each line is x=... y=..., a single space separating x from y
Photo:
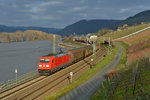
x=60 y=13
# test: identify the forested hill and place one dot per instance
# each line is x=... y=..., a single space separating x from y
x=91 y=26
x=137 y=19
x=87 y=26
x=4 y=28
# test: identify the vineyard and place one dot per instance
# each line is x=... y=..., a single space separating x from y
x=138 y=38
x=139 y=46
x=129 y=30
x=131 y=83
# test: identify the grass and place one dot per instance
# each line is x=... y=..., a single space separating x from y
x=85 y=76
x=132 y=29
x=121 y=87
x=123 y=59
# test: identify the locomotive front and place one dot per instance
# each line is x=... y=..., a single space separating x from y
x=44 y=66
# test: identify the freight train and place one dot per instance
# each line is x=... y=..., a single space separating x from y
x=83 y=41
x=50 y=64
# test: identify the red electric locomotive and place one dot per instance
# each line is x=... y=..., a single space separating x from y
x=47 y=65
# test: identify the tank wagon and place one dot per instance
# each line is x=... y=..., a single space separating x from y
x=50 y=64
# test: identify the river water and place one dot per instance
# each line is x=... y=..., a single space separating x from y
x=23 y=56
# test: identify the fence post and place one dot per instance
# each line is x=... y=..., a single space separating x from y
x=142 y=88
x=71 y=75
x=16 y=75
x=134 y=78
x=149 y=59
x=104 y=90
x=54 y=40
x=92 y=64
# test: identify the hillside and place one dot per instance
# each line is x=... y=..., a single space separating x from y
x=4 y=28
x=131 y=84
x=137 y=19
x=129 y=30
x=88 y=26
x=139 y=46
x=92 y=26
x=28 y=35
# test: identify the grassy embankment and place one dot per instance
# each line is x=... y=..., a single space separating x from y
x=129 y=30
x=85 y=76
x=123 y=59
x=132 y=84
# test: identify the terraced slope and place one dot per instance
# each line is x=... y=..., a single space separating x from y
x=139 y=46
x=132 y=84
x=138 y=38
x=127 y=31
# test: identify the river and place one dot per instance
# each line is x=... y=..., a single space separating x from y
x=23 y=56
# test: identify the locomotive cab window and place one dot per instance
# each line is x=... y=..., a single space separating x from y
x=44 y=60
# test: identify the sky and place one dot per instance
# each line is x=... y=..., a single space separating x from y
x=60 y=13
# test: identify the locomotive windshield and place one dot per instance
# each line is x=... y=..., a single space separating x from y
x=44 y=60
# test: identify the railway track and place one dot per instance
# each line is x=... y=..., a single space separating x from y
x=20 y=86
x=39 y=88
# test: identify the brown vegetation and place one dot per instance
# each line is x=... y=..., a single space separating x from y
x=132 y=57
x=29 y=35
x=112 y=73
x=138 y=38
x=139 y=46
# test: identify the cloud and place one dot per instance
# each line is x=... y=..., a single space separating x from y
x=49 y=3
x=56 y=13
x=83 y=14
x=124 y=10
x=14 y=6
x=62 y=11
x=36 y=10
x=79 y=8
x=34 y=17
x=41 y=6
x=82 y=1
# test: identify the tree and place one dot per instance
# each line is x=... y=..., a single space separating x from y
x=104 y=31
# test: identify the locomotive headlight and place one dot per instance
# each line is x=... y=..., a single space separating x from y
x=40 y=65
x=47 y=65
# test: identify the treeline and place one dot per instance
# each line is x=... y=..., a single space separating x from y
x=29 y=35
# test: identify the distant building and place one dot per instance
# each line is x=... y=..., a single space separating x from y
x=142 y=23
x=125 y=26
x=118 y=29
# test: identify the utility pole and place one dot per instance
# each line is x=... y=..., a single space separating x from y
x=93 y=38
x=109 y=41
x=54 y=40
x=16 y=75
